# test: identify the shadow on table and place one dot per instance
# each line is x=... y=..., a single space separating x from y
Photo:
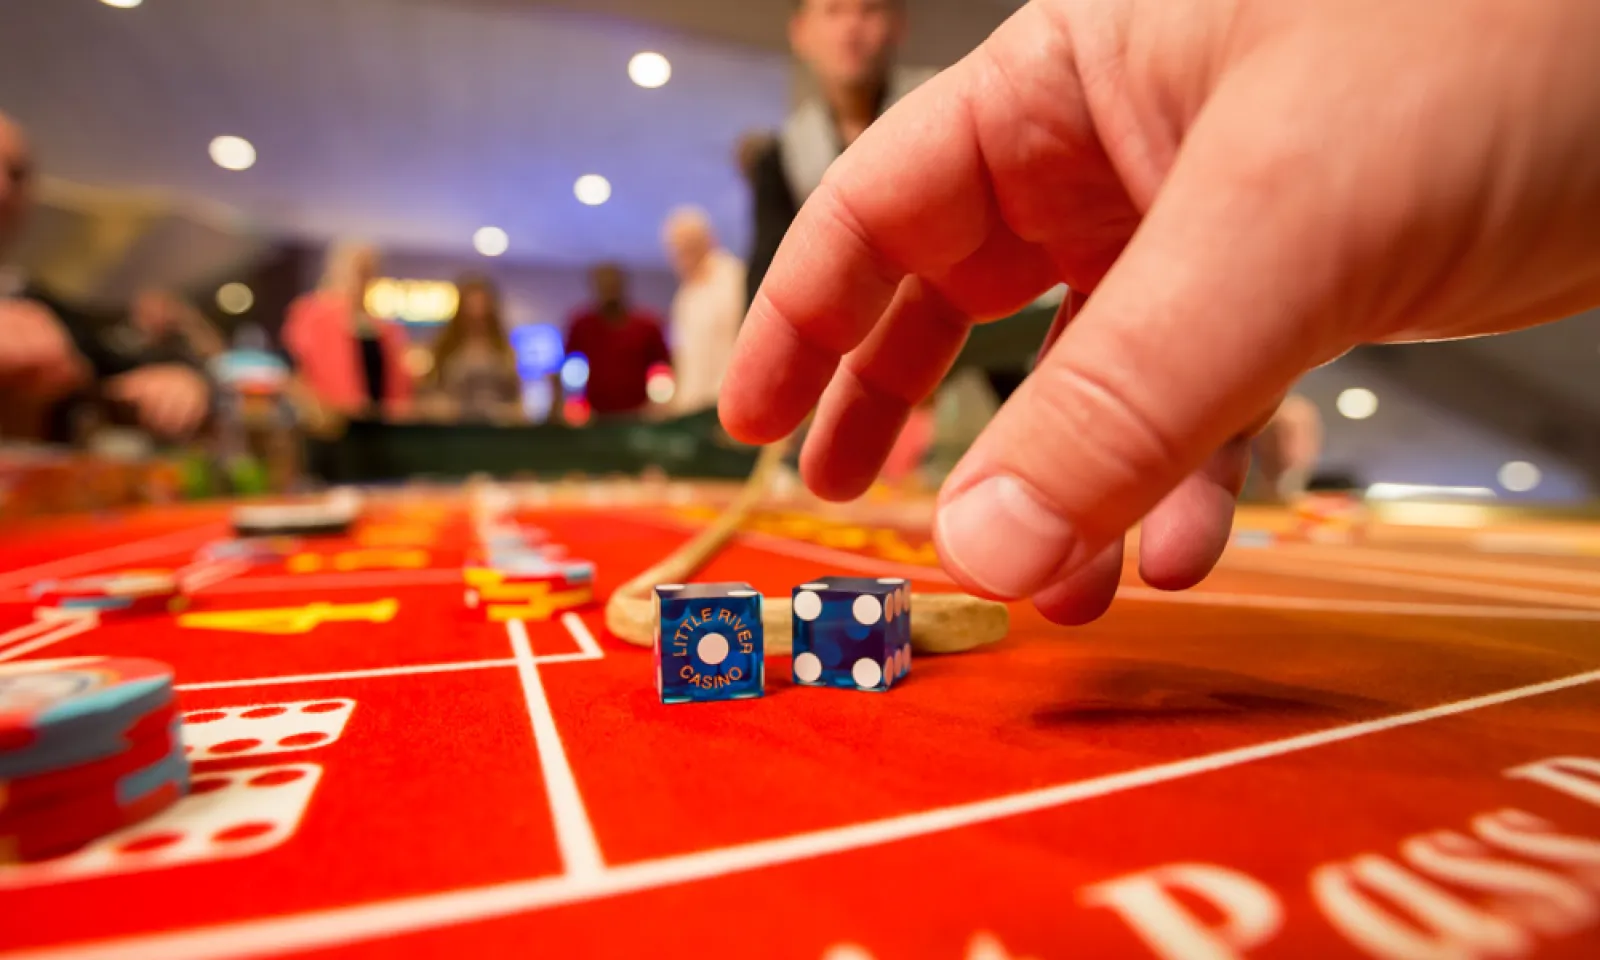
x=1136 y=692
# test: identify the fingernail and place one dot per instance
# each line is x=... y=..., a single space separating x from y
x=1002 y=538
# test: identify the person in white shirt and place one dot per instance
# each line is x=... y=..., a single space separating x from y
x=706 y=311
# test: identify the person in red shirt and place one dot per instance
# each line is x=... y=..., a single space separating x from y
x=621 y=343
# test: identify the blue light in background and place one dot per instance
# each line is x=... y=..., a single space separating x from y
x=539 y=350
x=575 y=373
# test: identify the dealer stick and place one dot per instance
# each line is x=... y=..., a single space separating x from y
x=940 y=622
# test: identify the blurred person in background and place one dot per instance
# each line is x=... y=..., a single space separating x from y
x=849 y=46
x=165 y=323
x=621 y=343
x=706 y=311
x=474 y=372
x=1287 y=450
x=55 y=358
x=749 y=152
x=351 y=362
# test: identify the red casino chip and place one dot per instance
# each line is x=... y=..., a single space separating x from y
x=51 y=829
x=151 y=740
x=58 y=714
x=63 y=829
x=128 y=592
x=132 y=583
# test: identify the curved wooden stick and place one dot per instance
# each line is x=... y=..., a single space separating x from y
x=940 y=622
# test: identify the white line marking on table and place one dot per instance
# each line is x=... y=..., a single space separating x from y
x=414 y=670
x=1437 y=563
x=62 y=629
x=81 y=563
x=580 y=851
x=1205 y=598
x=563 y=658
x=345 y=925
x=580 y=633
x=1393 y=579
x=28 y=629
x=207 y=575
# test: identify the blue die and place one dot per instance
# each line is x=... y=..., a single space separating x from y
x=708 y=642
x=852 y=632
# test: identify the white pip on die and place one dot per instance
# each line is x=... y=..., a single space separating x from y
x=852 y=632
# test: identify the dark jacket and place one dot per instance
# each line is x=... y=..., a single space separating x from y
x=792 y=165
x=110 y=345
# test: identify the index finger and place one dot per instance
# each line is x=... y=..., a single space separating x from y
x=910 y=197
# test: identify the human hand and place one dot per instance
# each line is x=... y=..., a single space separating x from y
x=1244 y=188
x=37 y=359
x=170 y=399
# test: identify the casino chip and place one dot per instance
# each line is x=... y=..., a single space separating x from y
x=250 y=549
x=127 y=592
x=331 y=516
x=1330 y=517
x=87 y=747
x=56 y=714
x=532 y=593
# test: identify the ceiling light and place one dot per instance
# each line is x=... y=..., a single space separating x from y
x=1519 y=476
x=649 y=70
x=592 y=189
x=233 y=153
x=1357 y=403
x=235 y=298
x=122 y=4
x=490 y=241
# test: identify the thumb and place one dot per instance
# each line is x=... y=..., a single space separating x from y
x=1212 y=310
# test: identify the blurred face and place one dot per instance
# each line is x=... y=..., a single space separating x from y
x=609 y=284
x=16 y=180
x=364 y=267
x=475 y=309
x=847 y=43
x=687 y=246
x=154 y=314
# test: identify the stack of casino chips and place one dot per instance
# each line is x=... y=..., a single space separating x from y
x=1330 y=517
x=88 y=746
x=522 y=576
x=249 y=549
x=120 y=593
x=330 y=516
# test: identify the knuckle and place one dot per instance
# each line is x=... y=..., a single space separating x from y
x=883 y=387
x=836 y=206
x=1116 y=453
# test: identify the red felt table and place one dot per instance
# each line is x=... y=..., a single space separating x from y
x=1386 y=749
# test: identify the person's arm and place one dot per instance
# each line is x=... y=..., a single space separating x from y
x=90 y=333
x=774 y=208
x=171 y=393
x=297 y=331
x=658 y=351
x=397 y=376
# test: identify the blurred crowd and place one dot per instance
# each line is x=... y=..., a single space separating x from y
x=157 y=365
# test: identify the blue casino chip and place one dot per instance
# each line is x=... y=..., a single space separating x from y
x=56 y=714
